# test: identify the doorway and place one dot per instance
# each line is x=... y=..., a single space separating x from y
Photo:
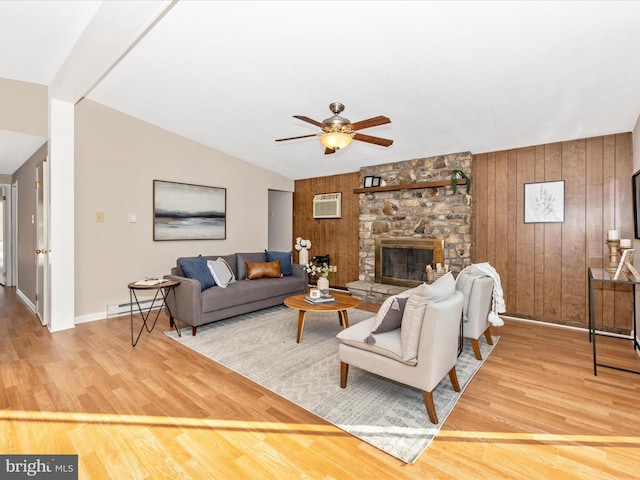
x=280 y=225
x=42 y=241
x=6 y=236
x=3 y=216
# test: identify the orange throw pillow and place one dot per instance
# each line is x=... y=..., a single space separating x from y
x=263 y=270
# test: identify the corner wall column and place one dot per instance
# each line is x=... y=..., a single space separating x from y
x=61 y=220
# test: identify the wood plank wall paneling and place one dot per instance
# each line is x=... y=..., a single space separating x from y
x=512 y=212
x=574 y=231
x=501 y=211
x=538 y=242
x=595 y=214
x=552 y=256
x=624 y=218
x=481 y=206
x=481 y=214
x=525 y=281
x=336 y=237
x=543 y=267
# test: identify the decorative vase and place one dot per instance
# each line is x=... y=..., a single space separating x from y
x=323 y=285
x=303 y=256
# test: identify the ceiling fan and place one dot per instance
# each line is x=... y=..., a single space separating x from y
x=338 y=132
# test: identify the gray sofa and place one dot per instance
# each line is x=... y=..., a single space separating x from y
x=196 y=307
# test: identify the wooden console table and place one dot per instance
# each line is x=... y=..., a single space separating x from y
x=600 y=275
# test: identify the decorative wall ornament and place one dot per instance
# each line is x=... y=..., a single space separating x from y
x=544 y=202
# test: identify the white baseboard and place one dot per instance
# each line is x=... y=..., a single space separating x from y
x=582 y=329
x=546 y=324
x=112 y=310
x=569 y=327
x=118 y=310
x=25 y=300
x=91 y=317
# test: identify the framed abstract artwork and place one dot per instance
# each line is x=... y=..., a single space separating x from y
x=182 y=211
x=544 y=202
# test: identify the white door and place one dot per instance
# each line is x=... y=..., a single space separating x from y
x=42 y=242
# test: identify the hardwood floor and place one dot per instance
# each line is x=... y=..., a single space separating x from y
x=158 y=411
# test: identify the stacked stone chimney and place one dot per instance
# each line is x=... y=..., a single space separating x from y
x=432 y=212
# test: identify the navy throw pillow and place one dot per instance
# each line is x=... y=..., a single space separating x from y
x=197 y=269
x=285 y=261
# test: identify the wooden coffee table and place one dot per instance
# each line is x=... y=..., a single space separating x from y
x=342 y=303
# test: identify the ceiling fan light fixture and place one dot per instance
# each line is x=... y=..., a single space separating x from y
x=336 y=140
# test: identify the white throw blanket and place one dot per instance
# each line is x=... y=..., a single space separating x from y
x=498 y=305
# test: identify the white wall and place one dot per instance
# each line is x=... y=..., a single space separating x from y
x=24 y=107
x=117 y=158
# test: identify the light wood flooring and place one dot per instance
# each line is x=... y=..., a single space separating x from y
x=159 y=411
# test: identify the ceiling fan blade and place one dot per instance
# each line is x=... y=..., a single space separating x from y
x=371 y=122
x=308 y=120
x=329 y=151
x=294 y=138
x=375 y=140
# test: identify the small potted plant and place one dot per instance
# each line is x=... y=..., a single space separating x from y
x=457 y=175
x=322 y=272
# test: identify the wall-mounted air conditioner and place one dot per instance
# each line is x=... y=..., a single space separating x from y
x=327 y=205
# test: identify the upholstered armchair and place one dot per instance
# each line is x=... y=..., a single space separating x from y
x=478 y=295
x=436 y=344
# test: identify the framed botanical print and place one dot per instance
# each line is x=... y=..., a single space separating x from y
x=544 y=202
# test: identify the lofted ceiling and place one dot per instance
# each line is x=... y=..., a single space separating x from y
x=451 y=76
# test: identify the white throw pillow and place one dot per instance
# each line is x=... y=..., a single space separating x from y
x=221 y=272
x=413 y=315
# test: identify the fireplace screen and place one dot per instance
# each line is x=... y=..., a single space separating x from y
x=403 y=261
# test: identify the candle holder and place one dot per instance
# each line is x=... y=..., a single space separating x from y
x=628 y=259
x=613 y=255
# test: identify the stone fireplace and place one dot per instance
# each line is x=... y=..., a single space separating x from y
x=415 y=202
x=403 y=261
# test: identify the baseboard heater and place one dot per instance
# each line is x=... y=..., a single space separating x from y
x=118 y=309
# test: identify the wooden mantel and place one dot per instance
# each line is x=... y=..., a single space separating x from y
x=409 y=186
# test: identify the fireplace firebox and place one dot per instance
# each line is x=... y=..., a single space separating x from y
x=402 y=261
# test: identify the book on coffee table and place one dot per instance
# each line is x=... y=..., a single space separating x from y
x=327 y=299
x=151 y=281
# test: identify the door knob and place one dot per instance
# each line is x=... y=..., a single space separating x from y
x=38 y=251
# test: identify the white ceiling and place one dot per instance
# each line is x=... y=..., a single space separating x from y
x=35 y=39
x=451 y=76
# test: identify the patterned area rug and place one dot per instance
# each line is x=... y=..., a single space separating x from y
x=262 y=347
